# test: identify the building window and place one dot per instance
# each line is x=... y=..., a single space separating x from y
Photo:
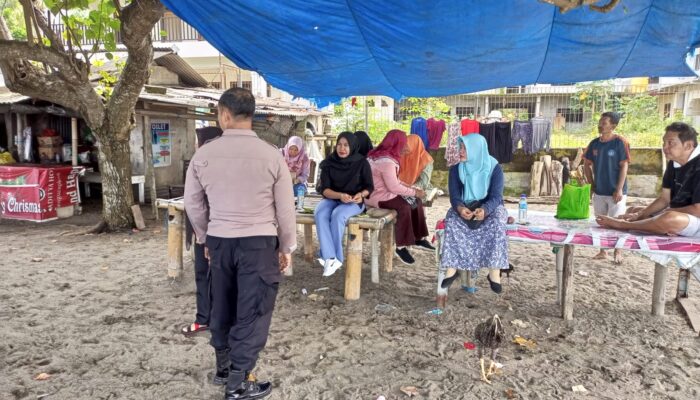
x=667 y=110
x=697 y=62
x=571 y=115
x=269 y=90
x=653 y=79
x=216 y=85
x=515 y=89
x=464 y=112
x=245 y=85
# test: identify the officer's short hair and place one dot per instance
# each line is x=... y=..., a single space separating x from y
x=239 y=102
x=612 y=116
x=685 y=132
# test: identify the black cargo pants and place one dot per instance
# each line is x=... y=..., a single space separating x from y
x=245 y=277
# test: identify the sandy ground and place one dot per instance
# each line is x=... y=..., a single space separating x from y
x=98 y=314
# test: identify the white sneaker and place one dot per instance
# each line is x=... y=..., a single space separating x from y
x=322 y=262
x=331 y=266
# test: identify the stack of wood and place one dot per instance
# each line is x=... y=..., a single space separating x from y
x=546 y=178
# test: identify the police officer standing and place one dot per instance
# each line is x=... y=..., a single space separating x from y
x=250 y=235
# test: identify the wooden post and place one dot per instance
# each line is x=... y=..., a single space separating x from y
x=567 y=284
x=683 y=279
x=353 y=271
x=557 y=172
x=658 y=294
x=386 y=237
x=546 y=181
x=9 y=131
x=535 y=178
x=308 y=242
x=148 y=170
x=74 y=141
x=374 y=243
x=20 y=142
x=559 y=260
x=466 y=278
x=175 y=228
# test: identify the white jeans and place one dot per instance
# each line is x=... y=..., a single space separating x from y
x=605 y=205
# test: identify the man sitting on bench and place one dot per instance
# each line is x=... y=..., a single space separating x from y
x=677 y=210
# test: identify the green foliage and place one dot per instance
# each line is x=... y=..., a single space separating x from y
x=593 y=96
x=108 y=78
x=12 y=12
x=349 y=118
x=92 y=20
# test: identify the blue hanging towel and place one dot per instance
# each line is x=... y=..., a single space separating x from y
x=419 y=126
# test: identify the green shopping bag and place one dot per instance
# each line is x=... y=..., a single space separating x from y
x=574 y=201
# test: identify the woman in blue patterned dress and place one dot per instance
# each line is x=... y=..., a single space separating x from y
x=475 y=226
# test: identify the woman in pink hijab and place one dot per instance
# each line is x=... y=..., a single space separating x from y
x=297 y=161
x=390 y=193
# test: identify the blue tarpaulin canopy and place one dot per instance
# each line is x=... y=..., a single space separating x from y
x=326 y=49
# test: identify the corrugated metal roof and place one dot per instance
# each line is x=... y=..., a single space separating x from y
x=188 y=76
x=8 y=97
x=208 y=98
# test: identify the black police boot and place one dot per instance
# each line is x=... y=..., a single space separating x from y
x=248 y=388
x=223 y=365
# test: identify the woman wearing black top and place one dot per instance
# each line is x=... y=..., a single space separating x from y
x=346 y=180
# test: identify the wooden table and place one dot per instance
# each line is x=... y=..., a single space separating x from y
x=564 y=235
x=95 y=177
x=378 y=222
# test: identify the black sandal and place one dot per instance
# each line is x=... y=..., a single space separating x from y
x=496 y=287
x=447 y=282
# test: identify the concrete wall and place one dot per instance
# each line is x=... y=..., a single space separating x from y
x=644 y=177
x=182 y=148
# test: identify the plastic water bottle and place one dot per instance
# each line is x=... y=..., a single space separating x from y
x=300 y=198
x=522 y=209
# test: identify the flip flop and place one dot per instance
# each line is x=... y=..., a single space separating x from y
x=193 y=329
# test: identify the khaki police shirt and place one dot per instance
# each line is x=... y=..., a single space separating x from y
x=248 y=187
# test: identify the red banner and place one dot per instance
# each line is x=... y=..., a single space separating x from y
x=34 y=192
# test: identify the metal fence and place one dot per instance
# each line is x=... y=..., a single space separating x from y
x=168 y=29
x=573 y=110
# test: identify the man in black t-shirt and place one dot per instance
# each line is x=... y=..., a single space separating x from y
x=677 y=210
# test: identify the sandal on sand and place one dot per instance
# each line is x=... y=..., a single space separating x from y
x=193 y=328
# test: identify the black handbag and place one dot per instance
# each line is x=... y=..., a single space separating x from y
x=473 y=223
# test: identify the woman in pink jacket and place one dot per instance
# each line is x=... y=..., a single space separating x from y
x=390 y=193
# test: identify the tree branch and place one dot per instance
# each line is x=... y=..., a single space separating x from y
x=138 y=19
x=61 y=61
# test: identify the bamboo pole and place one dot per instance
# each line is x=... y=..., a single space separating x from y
x=658 y=294
x=567 y=284
x=374 y=243
x=386 y=237
x=308 y=243
x=175 y=229
x=353 y=272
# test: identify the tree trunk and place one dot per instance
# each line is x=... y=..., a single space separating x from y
x=117 y=192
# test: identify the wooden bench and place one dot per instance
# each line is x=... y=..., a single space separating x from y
x=378 y=222
x=380 y=225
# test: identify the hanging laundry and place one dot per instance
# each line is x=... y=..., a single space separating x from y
x=488 y=131
x=419 y=126
x=522 y=132
x=436 y=129
x=469 y=126
x=541 y=133
x=451 y=150
x=503 y=143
